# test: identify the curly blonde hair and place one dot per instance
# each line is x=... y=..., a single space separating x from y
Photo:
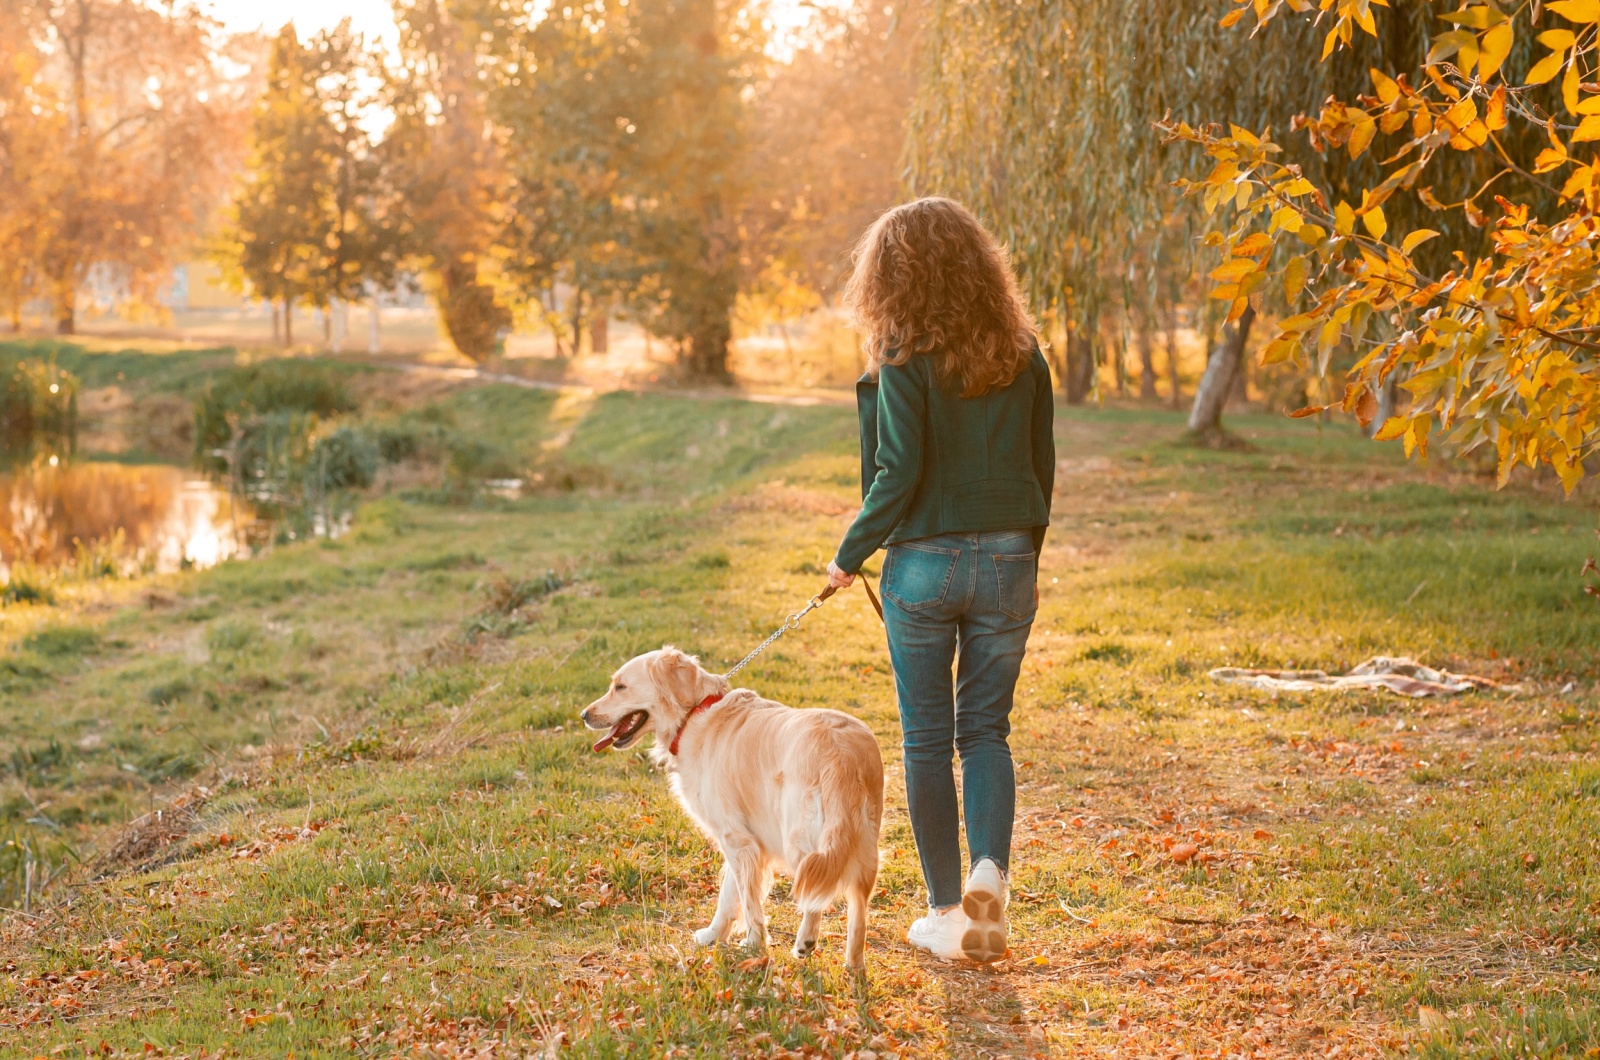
x=929 y=278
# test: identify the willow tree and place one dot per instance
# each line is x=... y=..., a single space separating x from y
x=1040 y=115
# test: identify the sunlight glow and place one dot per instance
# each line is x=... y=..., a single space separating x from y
x=786 y=19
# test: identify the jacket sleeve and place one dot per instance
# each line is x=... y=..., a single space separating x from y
x=902 y=425
x=1044 y=440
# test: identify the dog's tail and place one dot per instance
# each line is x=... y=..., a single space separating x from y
x=846 y=811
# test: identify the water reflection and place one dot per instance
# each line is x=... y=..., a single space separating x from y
x=158 y=518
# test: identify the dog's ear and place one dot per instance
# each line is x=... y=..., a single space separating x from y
x=681 y=680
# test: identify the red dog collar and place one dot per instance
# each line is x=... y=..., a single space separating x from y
x=672 y=748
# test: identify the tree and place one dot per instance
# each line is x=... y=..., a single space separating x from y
x=313 y=219
x=143 y=114
x=30 y=133
x=446 y=166
x=1037 y=114
x=827 y=132
x=1495 y=336
x=625 y=132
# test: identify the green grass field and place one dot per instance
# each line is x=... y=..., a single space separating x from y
x=368 y=821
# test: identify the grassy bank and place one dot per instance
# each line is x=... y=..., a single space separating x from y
x=381 y=828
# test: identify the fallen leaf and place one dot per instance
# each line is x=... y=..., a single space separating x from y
x=1262 y=833
x=1183 y=852
x=1430 y=1018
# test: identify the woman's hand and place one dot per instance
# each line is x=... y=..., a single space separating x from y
x=838 y=578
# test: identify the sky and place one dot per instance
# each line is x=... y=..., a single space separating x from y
x=375 y=18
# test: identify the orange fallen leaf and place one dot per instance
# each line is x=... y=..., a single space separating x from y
x=1430 y=1018
x=752 y=964
x=1262 y=833
x=1182 y=852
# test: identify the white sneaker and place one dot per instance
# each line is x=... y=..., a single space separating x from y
x=984 y=902
x=939 y=933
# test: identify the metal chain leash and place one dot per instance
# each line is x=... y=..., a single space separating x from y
x=792 y=622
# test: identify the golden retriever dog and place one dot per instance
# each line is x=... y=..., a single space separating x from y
x=777 y=789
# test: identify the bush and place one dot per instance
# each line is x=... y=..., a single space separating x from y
x=347 y=459
x=38 y=407
x=262 y=390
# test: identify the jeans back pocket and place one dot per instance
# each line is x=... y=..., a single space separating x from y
x=918 y=576
x=1017 y=575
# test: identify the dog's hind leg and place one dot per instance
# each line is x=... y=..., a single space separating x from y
x=753 y=878
x=855 y=942
x=805 y=938
x=727 y=909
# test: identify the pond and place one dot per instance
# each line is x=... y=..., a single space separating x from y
x=153 y=517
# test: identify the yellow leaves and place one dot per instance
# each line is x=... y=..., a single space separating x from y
x=1552 y=157
x=1361 y=136
x=1416 y=239
x=1295 y=275
x=1576 y=10
x=1569 y=88
x=1569 y=469
x=1232 y=17
x=1416 y=436
x=1588 y=129
x=1253 y=245
x=1462 y=120
x=1344 y=219
x=1495 y=114
x=1286 y=218
x=1297 y=187
x=1233 y=271
x=1581 y=180
x=1311 y=235
x=1546 y=68
x=1376 y=224
x=1392 y=428
x=1388 y=90
x=1496 y=46
x=1557 y=39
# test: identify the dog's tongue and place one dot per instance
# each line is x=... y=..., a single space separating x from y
x=605 y=741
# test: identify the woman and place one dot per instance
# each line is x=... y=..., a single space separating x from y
x=957 y=470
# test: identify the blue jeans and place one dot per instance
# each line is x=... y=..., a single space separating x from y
x=966 y=599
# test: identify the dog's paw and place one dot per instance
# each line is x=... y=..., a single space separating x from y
x=706 y=936
x=803 y=948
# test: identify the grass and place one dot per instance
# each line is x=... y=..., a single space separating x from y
x=382 y=830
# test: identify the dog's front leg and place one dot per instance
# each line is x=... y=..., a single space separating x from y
x=727 y=909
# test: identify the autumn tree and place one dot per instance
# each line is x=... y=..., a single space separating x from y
x=313 y=219
x=143 y=114
x=827 y=132
x=444 y=163
x=625 y=132
x=1487 y=319
x=30 y=136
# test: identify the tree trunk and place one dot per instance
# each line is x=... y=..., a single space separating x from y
x=1239 y=387
x=1121 y=353
x=277 y=325
x=374 y=331
x=288 y=324
x=600 y=331
x=1205 y=418
x=66 y=306
x=1176 y=397
x=707 y=353
x=1147 y=360
x=577 y=318
x=1080 y=365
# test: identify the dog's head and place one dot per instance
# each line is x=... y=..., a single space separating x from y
x=651 y=693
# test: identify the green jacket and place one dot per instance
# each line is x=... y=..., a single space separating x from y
x=936 y=463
